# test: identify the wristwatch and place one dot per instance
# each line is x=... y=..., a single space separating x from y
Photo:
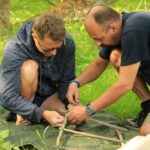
x=90 y=110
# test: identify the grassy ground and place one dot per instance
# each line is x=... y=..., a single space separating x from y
x=86 y=51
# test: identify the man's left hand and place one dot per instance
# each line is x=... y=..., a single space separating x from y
x=77 y=113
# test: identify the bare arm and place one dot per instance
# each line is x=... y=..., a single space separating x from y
x=93 y=71
x=125 y=83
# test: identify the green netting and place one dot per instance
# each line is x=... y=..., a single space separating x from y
x=43 y=137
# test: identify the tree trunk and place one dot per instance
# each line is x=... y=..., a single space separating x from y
x=4 y=13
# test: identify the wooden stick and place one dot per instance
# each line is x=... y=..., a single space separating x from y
x=75 y=19
x=120 y=137
x=63 y=111
x=108 y=124
x=51 y=3
x=92 y=135
x=53 y=147
x=62 y=148
x=58 y=141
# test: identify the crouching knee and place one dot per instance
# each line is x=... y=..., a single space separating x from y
x=29 y=70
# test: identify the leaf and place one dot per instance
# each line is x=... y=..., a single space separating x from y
x=40 y=136
x=7 y=145
x=4 y=134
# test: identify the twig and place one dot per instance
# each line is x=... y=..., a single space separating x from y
x=75 y=19
x=71 y=147
x=63 y=111
x=92 y=135
x=75 y=11
x=62 y=147
x=51 y=3
x=108 y=124
x=58 y=141
x=120 y=137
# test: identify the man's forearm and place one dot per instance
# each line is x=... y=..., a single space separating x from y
x=125 y=83
x=93 y=71
x=110 y=96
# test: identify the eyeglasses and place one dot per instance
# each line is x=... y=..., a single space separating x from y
x=48 y=49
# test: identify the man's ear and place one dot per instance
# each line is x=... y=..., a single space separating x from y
x=34 y=35
x=113 y=27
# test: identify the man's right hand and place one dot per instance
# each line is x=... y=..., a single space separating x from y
x=53 y=118
x=73 y=94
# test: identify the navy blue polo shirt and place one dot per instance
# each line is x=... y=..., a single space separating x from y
x=135 y=42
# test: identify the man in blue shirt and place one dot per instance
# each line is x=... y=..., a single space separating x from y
x=125 y=41
x=37 y=66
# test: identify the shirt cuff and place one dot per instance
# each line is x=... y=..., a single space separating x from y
x=37 y=114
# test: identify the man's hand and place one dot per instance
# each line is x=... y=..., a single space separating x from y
x=53 y=118
x=73 y=94
x=77 y=113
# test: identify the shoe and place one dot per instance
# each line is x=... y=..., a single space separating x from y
x=138 y=121
x=20 y=121
x=11 y=117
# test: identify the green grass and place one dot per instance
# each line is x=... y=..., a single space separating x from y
x=20 y=12
x=86 y=51
x=131 y=5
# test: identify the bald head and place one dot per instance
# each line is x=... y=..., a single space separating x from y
x=104 y=25
x=103 y=14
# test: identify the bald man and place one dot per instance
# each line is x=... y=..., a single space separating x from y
x=125 y=42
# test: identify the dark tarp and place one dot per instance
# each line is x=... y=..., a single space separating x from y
x=33 y=135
